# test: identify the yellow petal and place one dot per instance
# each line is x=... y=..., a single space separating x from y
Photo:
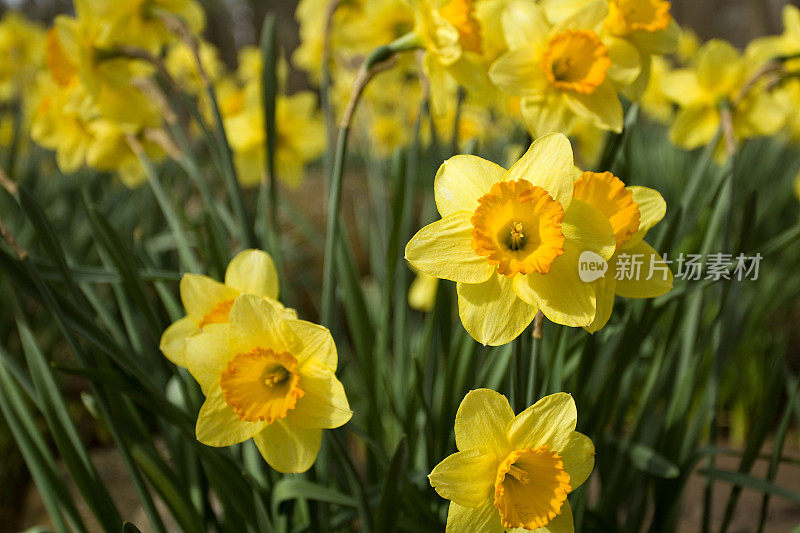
x=719 y=65
x=443 y=249
x=485 y=519
x=324 y=404
x=560 y=294
x=652 y=208
x=253 y=272
x=523 y=23
x=466 y=478
x=201 y=294
x=550 y=421
x=586 y=228
x=626 y=62
x=218 y=425
x=601 y=106
x=578 y=455
x=562 y=523
x=604 y=291
x=558 y=10
x=547 y=115
x=657 y=42
x=658 y=285
x=255 y=323
x=288 y=448
x=314 y=341
x=682 y=87
x=461 y=180
x=589 y=17
x=519 y=71
x=491 y=311
x=207 y=355
x=548 y=164
x=695 y=126
x=173 y=341
x=481 y=422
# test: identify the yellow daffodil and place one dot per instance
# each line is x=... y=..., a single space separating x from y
x=300 y=137
x=719 y=74
x=209 y=302
x=452 y=36
x=422 y=292
x=269 y=378
x=564 y=70
x=631 y=211
x=61 y=126
x=22 y=50
x=511 y=240
x=75 y=56
x=649 y=27
x=140 y=23
x=511 y=471
x=688 y=45
x=182 y=66
x=785 y=45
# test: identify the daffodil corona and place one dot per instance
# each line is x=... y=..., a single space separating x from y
x=511 y=239
x=513 y=471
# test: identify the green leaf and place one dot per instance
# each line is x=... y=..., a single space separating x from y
x=740 y=480
x=392 y=494
x=292 y=488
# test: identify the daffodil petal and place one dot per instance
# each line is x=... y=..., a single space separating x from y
x=626 y=62
x=481 y=421
x=523 y=23
x=550 y=421
x=324 y=403
x=558 y=10
x=695 y=126
x=253 y=272
x=560 y=294
x=602 y=106
x=491 y=311
x=201 y=294
x=218 y=425
x=173 y=341
x=548 y=164
x=485 y=519
x=652 y=208
x=255 y=323
x=519 y=72
x=443 y=249
x=288 y=448
x=682 y=87
x=547 y=115
x=586 y=228
x=657 y=42
x=658 y=284
x=578 y=456
x=316 y=342
x=718 y=65
x=461 y=181
x=207 y=354
x=466 y=478
x=589 y=17
x=604 y=291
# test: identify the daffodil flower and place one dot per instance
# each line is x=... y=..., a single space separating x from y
x=718 y=74
x=209 y=302
x=632 y=212
x=511 y=240
x=269 y=378
x=513 y=471
x=564 y=70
